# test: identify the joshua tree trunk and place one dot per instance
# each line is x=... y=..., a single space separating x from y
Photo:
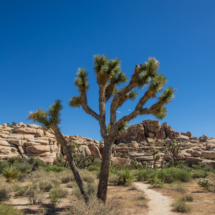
x=154 y=163
x=103 y=178
x=70 y=160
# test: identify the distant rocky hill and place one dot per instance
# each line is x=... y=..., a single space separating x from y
x=137 y=142
x=31 y=140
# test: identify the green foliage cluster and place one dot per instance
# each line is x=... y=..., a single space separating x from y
x=181 y=206
x=54 y=168
x=166 y=175
x=10 y=173
x=6 y=209
x=206 y=183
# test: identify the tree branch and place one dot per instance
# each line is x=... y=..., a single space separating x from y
x=87 y=109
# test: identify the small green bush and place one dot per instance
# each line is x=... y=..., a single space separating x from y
x=67 y=178
x=20 y=190
x=206 y=183
x=54 y=168
x=60 y=161
x=3 y=164
x=199 y=174
x=91 y=189
x=125 y=177
x=88 y=177
x=6 y=209
x=141 y=197
x=180 y=206
x=113 y=180
x=93 y=168
x=4 y=194
x=57 y=193
x=45 y=186
x=10 y=173
x=187 y=198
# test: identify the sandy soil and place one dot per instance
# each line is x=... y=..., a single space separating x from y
x=158 y=203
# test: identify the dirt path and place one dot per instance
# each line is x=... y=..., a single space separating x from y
x=158 y=203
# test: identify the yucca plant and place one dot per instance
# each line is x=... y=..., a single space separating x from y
x=125 y=177
x=10 y=173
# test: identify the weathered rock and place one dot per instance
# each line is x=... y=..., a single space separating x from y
x=94 y=151
x=133 y=144
x=85 y=150
x=117 y=160
x=193 y=160
x=36 y=149
x=208 y=154
x=210 y=163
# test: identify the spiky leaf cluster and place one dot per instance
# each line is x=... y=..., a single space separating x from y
x=147 y=71
x=133 y=95
x=48 y=118
x=161 y=114
x=158 y=83
x=81 y=81
x=122 y=128
x=167 y=95
x=109 y=70
x=75 y=101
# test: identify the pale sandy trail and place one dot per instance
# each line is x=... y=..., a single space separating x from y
x=158 y=204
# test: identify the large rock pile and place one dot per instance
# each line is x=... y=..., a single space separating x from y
x=31 y=140
x=139 y=140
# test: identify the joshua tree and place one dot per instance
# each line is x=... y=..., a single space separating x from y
x=156 y=157
x=50 y=120
x=172 y=149
x=109 y=75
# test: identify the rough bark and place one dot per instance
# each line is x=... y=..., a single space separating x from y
x=103 y=178
x=70 y=160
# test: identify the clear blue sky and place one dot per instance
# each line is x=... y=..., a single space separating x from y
x=43 y=43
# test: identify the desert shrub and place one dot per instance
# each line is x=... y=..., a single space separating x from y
x=141 y=197
x=179 y=174
x=34 y=194
x=60 y=161
x=20 y=190
x=57 y=193
x=3 y=164
x=206 y=183
x=164 y=176
x=23 y=167
x=45 y=185
x=156 y=182
x=145 y=174
x=199 y=174
x=4 y=193
x=76 y=192
x=125 y=177
x=97 y=162
x=87 y=177
x=72 y=184
x=132 y=188
x=95 y=207
x=10 y=173
x=6 y=209
x=113 y=180
x=180 y=206
x=93 y=168
x=186 y=198
x=90 y=189
x=11 y=160
x=67 y=178
x=54 y=168
x=179 y=188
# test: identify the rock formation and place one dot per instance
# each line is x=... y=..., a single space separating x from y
x=137 y=142
x=31 y=140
